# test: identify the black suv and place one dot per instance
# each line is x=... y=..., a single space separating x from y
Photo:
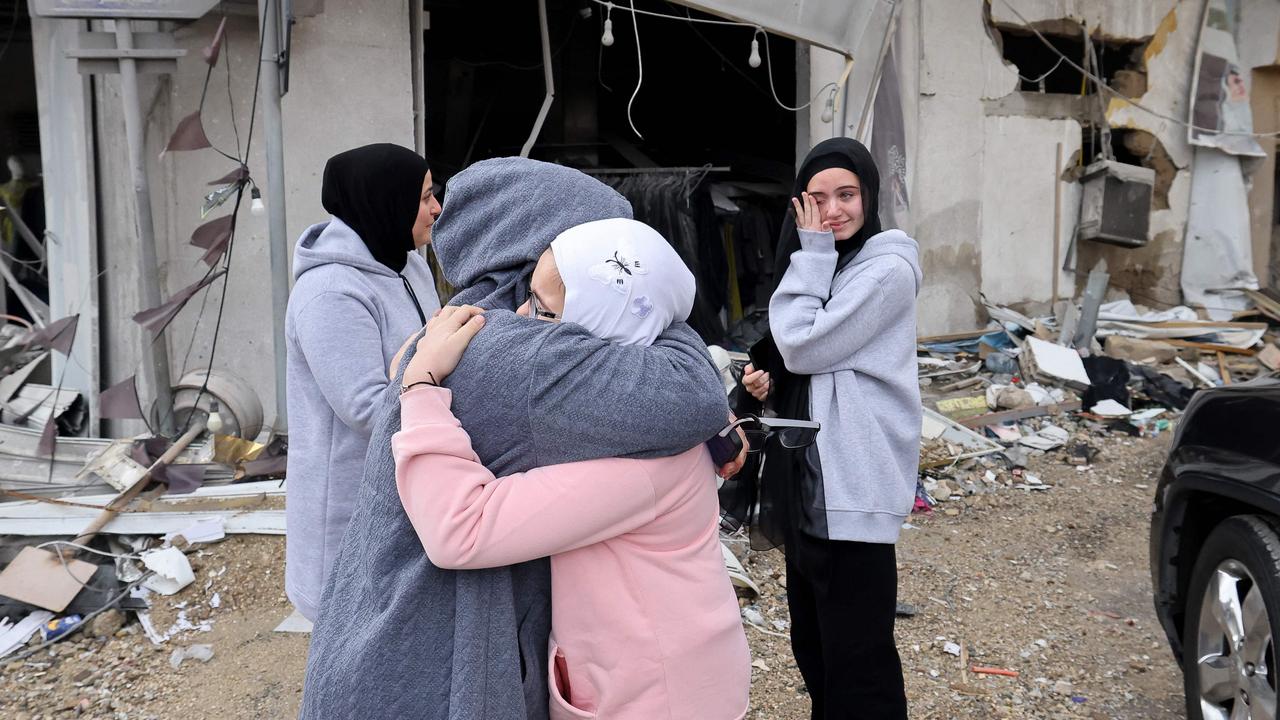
x=1215 y=550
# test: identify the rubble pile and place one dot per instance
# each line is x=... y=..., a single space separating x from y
x=1038 y=387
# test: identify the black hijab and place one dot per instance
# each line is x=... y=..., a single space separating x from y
x=376 y=189
x=840 y=152
x=773 y=499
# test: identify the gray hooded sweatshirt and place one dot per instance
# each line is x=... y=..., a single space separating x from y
x=854 y=332
x=398 y=637
x=348 y=316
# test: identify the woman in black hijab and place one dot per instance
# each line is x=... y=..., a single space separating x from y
x=359 y=291
x=841 y=351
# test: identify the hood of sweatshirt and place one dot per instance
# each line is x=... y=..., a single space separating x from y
x=334 y=243
x=501 y=214
x=891 y=242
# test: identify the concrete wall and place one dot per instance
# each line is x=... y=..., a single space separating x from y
x=958 y=67
x=984 y=191
x=1151 y=274
x=350 y=85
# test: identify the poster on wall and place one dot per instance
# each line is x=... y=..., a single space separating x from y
x=1220 y=114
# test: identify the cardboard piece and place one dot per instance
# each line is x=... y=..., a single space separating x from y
x=963 y=407
x=1270 y=357
x=37 y=577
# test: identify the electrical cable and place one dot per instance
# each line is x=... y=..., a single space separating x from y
x=62 y=559
x=110 y=604
x=769 y=69
x=503 y=63
x=235 y=213
x=706 y=21
x=13 y=26
x=231 y=103
x=88 y=549
x=1102 y=84
x=195 y=331
x=1046 y=74
x=204 y=94
x=730 y=63
x=635 y=26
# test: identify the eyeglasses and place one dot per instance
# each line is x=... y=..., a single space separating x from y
x=537 y=312
x=791 y=434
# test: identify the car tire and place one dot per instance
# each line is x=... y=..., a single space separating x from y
x=1229 y=653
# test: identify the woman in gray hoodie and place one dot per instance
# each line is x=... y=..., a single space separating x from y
x=843 y=329
x=359 y=291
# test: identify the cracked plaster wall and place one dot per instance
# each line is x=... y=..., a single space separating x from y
x=350 y=84
x=983 y=188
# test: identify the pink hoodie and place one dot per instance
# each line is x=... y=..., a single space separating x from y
x=645 y=623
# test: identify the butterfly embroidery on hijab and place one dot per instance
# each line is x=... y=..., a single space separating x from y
x=617 y=271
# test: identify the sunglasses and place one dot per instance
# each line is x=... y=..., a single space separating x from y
x=791 y=434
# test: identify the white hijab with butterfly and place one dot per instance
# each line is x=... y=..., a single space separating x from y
x=623 y=281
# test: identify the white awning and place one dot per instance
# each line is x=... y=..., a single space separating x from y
x=838 y=25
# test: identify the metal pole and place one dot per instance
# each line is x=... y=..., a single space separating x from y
x=1094 y=290
x=156 y=373
x=277 y=231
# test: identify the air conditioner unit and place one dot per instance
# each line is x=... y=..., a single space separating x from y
x=1116 y=205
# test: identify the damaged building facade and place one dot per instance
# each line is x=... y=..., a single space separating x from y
x=984 y=133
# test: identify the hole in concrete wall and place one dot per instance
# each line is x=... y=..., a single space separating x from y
x=1043 y=70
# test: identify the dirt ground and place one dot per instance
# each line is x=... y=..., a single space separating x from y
x=1052 y=584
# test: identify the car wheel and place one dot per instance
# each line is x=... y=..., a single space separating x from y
x=1233 y=605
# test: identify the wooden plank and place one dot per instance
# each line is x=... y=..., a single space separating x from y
x=257 y=522
x=1207 y=325
x=949 y=337
x=263 y=487
x=1266 y=305
x=1211 y=347
x=1222 y=368
x=1023 y=414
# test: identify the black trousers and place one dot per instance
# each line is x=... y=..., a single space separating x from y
x=842 y=596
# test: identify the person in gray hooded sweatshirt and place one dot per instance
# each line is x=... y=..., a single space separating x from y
x=359 y=291
x=398 y=637
x=843 y=322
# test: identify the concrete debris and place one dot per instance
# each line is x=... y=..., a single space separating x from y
x=203 y=653
x=1137 y=350
x=107 y=624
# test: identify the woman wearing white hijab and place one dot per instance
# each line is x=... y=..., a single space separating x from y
x=645 y=623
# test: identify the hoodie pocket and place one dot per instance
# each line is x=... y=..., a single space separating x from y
x=561 y=692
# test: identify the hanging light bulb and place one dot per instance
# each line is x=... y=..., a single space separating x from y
x=256 y=205
x=754 y=60
x=214 y=423
x=607 y=38
x=829 y=108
